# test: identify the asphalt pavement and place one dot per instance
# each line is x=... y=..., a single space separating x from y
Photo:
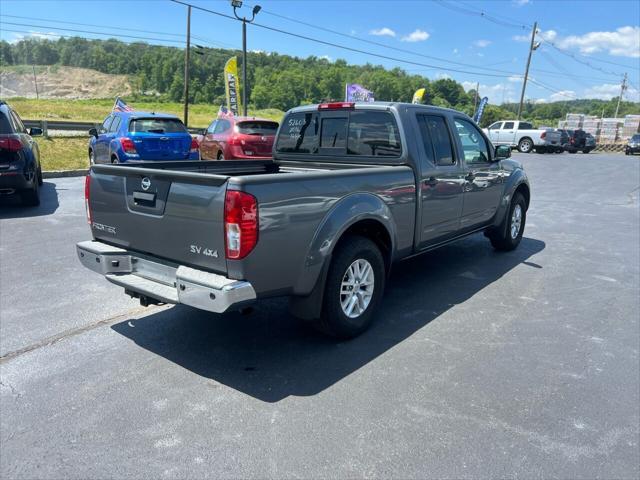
x=480 y=364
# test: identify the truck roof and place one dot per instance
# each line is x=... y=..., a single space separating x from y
x=376 y=106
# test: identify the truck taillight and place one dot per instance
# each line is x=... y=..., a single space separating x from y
x=240 y=223
x=194 y=145
x=127 y=145
x=87 y=191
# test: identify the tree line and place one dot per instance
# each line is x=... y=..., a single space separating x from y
x=275 y=81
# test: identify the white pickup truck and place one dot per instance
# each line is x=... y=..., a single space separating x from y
x=517 y=134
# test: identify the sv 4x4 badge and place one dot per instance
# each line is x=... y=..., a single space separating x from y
x=204 y=251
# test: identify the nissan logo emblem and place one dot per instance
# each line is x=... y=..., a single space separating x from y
x=146 y=183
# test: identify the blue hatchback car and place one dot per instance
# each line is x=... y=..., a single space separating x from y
x=139 y=136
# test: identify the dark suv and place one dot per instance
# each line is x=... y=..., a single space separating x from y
x=20 y=169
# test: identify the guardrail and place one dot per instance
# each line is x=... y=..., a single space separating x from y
x=47 y=125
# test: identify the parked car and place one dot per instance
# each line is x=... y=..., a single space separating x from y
x=238 y=138
x=579 y=140
x=553 y=141
x=141 y=136
x=514 y=133
x=352 y=189
x=633 y=145
x=20 y=168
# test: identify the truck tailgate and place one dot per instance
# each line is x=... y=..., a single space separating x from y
x=169 y=214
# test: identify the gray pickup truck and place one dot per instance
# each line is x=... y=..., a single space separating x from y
x=351 y=189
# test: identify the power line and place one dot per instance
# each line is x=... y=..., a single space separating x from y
x=483 y=14
x=203 y=39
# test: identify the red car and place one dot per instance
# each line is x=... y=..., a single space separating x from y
x=238 y=138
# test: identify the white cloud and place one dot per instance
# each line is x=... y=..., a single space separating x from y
x=623 y=42
x=515 y=79
x=562 y=95
x=496 y=93
x=442 y=76
x=607 y=91
x=416 y=36
x=327 y=58
x=520 y=3
x=34 y=34
x=482 y=43
x=382 y=32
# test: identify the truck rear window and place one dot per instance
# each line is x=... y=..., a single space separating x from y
x=257 y=128
x=364 y=133
x=157 y=125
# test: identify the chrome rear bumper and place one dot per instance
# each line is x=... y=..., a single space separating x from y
x=164 y=282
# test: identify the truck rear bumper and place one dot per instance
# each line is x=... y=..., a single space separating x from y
x=164 y=282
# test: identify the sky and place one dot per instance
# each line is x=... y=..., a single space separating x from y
x=585 y=46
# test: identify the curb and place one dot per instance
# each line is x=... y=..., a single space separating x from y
x=64 y=173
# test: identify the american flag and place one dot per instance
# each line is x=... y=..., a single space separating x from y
x=121 y=106
x=224 y=112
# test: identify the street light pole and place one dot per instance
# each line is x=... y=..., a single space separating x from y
x=238 y=4
x=186 y=68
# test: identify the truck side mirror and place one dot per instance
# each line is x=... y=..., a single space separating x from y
x=502 y=152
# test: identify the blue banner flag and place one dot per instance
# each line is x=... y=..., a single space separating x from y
x=478 y=115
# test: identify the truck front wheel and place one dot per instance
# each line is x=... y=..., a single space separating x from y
x=354 y=288
x=508 y=236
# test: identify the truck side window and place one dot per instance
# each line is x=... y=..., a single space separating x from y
x=435 y=132
x=474 y=145
x=334 y=133
x=525 y=126
x=495 y=126
x=508 y=126
x=373 y=134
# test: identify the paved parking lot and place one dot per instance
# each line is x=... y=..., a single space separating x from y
x=480 y=364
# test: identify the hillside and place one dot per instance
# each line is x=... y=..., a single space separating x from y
x=56 y=81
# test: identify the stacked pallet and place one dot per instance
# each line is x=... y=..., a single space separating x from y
x=631 y=126
x=610 y=129
x=574 y=121
x=591 y=124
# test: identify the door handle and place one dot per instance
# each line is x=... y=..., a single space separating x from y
x=431 y=182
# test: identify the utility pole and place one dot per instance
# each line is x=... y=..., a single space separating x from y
x=35 y=81
x=532 y=47
x=186 y=68
x=622 y=90
x=475 y=100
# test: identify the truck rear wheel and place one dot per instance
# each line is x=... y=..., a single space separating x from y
x=354 y=288
x=508 y=238
x=525 y=145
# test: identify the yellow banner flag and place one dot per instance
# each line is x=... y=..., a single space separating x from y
x=232 y=85
x=419 y=95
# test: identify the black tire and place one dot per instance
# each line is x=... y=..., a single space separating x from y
x=540 y=150
x=559 y=150
x=502 y=239
x=31 y=197
x=333 y=321
x=586 y=150
x=572 y=151
x=525 y=145
x=626 y=152
x=40 y=180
